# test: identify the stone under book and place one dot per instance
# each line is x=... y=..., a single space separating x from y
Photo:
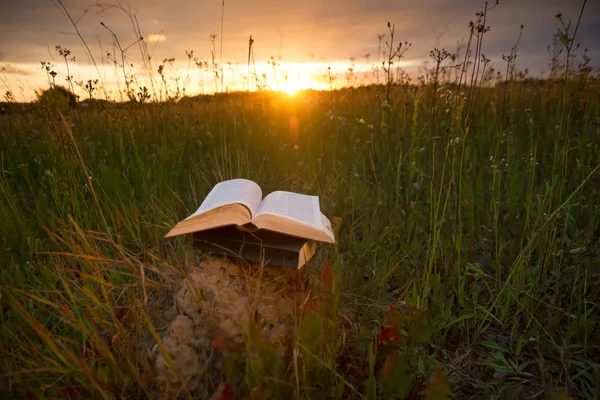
x=235 y=220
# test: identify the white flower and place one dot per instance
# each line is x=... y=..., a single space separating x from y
x=361 y=121
x=422 y=149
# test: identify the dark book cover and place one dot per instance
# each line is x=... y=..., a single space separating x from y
x=270 y=248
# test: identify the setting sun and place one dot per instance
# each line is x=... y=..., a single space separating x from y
x=291 y=89
x=292 y=86
x=297 y=82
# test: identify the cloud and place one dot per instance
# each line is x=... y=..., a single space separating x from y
x=10 y=70
x=156 y=37
x=300 y=31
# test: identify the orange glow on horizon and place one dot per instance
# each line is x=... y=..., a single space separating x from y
x=297 y=82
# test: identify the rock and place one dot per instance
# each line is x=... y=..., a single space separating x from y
x=170 y=313
x=221 y=298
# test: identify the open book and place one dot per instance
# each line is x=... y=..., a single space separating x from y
x=240 y=202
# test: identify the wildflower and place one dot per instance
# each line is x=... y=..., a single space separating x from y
x=361 y=121
x=422 y=149
x=370 y=127
x=456 y=140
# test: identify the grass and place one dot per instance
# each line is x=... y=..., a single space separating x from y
x=468 y=253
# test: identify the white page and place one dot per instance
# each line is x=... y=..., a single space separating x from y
x=294 y=206
x=326 y=223
x=235 y=191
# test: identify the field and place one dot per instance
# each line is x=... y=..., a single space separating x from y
x=469 y=235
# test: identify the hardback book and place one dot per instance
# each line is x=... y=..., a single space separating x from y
x=282 y=223
x=262 y=246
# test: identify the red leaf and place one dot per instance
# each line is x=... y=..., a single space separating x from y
x=227 y=393
x=390 y=364
x=29 y=395
x=414 y=310
x=224 y=392
x=439 y=388
x=394 y=380
x=122 y=314
x=393 y=317
x=388 y=334
x=227 y=390
x=327 y=275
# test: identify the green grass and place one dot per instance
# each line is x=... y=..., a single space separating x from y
x=484 y=233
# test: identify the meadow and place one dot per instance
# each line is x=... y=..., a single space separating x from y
x=468 y=209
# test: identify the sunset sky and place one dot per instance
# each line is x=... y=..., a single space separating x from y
x=308 y=35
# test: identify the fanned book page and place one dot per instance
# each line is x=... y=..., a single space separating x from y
x=235 y=191
x=297 y=207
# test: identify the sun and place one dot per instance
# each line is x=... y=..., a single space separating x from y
x=292 y=87
x=297 y=82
